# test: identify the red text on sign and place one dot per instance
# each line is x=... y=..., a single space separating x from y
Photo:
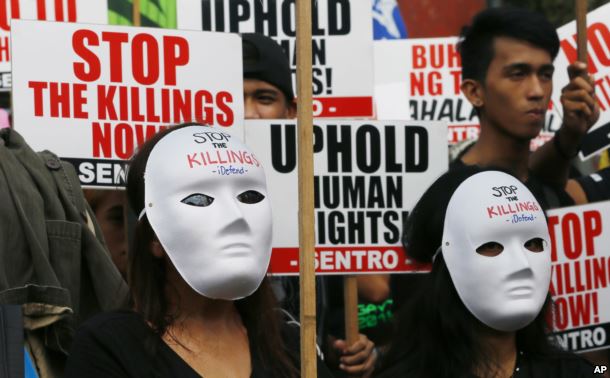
x=576 y=310
x=598 y=36
x=61 y=14
x=575 y=230
x=439 y=55
x=65 y=100
x=121 y=139
x=146 y=56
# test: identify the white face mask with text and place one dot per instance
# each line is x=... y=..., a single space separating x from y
x=206 y=200
x=496 y=246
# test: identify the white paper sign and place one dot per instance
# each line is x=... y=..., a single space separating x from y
x=93 y=93
x=580 y=281
x=598 y=49
x=342 y=44
x=368 y=176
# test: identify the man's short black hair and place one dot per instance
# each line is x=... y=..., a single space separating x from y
x=265 y=60
x=476 y=41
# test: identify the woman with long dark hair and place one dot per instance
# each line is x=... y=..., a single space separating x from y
x=201 y=303
x=484 y=309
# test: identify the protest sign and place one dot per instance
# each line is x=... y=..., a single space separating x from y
x=90 y=11
x=580 y=282
x=598 y=48
x=420 y=79
x=104 y=90
x=368 y=175
x=342 y=44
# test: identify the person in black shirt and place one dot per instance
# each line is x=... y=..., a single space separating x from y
x=482 y=311
x=507 y=75
x=201 y=303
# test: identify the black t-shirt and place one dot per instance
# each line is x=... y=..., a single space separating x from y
x=561 y=365
x=120 y=344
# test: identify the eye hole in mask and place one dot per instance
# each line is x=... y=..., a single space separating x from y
x=535 y=245
x=490 y=249
x=198 y=199
x=250 y=197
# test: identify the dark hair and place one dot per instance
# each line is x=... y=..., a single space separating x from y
x=264 y=59
x=147 y=279
x=437 y=336
x=476 y=41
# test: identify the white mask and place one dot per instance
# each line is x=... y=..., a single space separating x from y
x=505 y=291
x=206 y=199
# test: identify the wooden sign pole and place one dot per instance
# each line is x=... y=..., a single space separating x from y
x=306 y=190
x=136 y=13
x=350 y=299
x=581 y=29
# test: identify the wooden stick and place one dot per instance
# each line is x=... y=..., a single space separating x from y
x=306 y=191
x=136 y=13
x=581 y=29
x=350 y=295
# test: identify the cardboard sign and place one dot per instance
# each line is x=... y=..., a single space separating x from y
x=94 y=93
x=580 y=281
x=420 y=79
x=91 y=11
x=598 y=50
x=368 y=176
x=342 y=44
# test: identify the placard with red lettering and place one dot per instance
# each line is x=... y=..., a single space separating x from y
x=598 y=51
x=368 y=176
x=420 y=79
x=93 y=93
x=580 y=282
x=342 y=44
x=90 y=11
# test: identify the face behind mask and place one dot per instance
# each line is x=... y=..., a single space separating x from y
x=496 y=248
x=206 y=200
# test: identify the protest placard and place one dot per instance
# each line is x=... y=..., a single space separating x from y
x=598 y=37
x=580 y=282
x=89 y=11
x=368 y=175
x=420 y=79
x=342 y=44
x=104 y=90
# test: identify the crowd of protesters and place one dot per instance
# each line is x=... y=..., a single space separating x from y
x=106 y=293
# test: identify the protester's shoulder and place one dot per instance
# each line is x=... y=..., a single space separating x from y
x=549 y=196
x=573 y=362
x=596 y=185
x=561 y=365
x=114 y=322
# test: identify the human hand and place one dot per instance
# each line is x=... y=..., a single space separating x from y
x=580 y=107
x=359 y=358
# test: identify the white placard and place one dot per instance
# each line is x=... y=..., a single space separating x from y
x=368 y=176
x=580 y=281
x=104 y=89
x=598 y=50
x=342 y=44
